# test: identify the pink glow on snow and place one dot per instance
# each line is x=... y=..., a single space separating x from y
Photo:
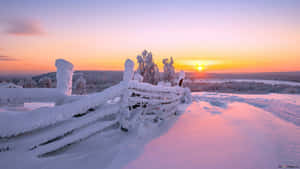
x=239 y=136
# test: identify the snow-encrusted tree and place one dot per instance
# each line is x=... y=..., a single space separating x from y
x=141 y=68
x=147 y=68
x=169 y=71
x=80 y=85
x=45 y=82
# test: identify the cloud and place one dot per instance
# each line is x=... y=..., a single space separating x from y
x=22 y=27
x=6 y=58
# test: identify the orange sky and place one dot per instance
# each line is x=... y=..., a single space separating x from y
x=220 y=36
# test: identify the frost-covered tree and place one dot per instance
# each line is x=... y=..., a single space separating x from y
x=45 y=82
x=169 y=71
x=156 y=74
x=80 y=85
x=141 y=67
x=147 y=68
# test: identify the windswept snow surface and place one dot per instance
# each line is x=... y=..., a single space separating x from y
x=229 y=131
x=217 y=131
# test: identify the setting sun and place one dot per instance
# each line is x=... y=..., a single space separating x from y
x=200 y=68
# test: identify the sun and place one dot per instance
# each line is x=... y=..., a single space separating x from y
x=200 y=68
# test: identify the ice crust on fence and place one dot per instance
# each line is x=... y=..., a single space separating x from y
x=127 y=105
x=11 y=124
x=64 y=76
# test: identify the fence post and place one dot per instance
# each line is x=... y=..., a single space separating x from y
x=127 y=76
x=128 y=72
x=181 y=78
x=64 y=76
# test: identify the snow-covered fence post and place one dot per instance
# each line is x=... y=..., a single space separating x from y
x=64 y=76
x=181 y=78
x=128 y=72
x=187 y=97
x=127 y=76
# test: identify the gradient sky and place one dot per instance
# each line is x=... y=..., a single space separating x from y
x=220 y=35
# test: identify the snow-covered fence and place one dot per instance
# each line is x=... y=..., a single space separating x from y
x=147 y=102
x=64 y=88
x=60 y=126
x=10 y=124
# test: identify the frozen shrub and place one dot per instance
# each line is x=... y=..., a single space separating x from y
x=147 y=68
x=150 y=72
x=169 y=71
x=141 y=67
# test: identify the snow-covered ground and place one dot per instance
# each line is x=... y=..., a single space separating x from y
x=217 y=131
x=229 y=131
